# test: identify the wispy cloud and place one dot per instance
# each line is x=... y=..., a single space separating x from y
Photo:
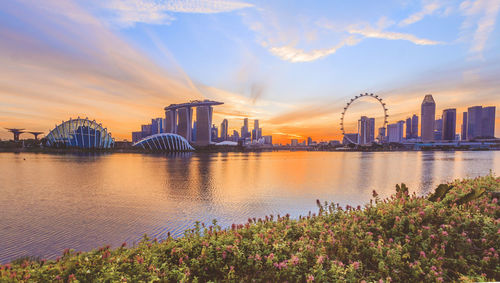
x=428 y=8
x=284 y=44
x=73 y=65
x=371 y=32
x=130 y=12
x=481 y=16
x=292 y=54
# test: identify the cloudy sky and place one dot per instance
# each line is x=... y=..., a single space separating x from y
x=292 y=65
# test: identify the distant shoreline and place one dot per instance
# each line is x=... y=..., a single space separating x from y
x=222 y=150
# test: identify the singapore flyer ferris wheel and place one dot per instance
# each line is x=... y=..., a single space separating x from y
x=382 y=103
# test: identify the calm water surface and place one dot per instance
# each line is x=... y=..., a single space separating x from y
x=52 y=202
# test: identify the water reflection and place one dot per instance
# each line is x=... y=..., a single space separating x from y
x=427 y=171
x=50 y=202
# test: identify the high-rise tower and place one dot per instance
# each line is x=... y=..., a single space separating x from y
x=409 y=134
x=464 y=126
x=244 y=129
x=474 y=121
x=224 y=130
x=428 y=114
x=488 y=122
x=449 y=124
x=366 y=130
x=414 y=126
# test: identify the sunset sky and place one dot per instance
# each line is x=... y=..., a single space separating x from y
x=292 y=65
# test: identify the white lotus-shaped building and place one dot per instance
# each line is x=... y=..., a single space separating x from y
x=164 y=142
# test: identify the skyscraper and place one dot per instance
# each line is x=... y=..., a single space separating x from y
x=428 y=114
x=185 y=117
x=381 y=134
x=203 y=127
x=366 y=130
x=171 y=121
x=414 y=126
x=214 y=133
x=157 y=126
x=464 y=126
x=224 y=130
x=409 y=134
x=488 y=122
x=449 y=124
x=193 y=132
x=474 y=122
x=395 y=132
x=268 y=140
x=244 y=129
x=256 y=132
x=438 y=129
x=146 y=130
x=136 y=136
x=235 y=136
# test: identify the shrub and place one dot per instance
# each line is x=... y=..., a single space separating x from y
x=403 y=238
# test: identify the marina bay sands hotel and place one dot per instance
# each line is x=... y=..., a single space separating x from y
x=178 y=120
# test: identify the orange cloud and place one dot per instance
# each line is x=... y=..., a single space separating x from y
x=80 y=68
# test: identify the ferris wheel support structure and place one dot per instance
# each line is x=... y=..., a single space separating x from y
x=382 y=103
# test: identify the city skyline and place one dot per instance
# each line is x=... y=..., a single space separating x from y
x=121 y=62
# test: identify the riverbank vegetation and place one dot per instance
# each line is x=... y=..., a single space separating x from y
x=452 y=234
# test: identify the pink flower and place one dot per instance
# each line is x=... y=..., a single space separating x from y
x=356 y=265
x=270 y=256
x=422 y=254
x=310 y=278
x=139 y=259
x=320 y=259
x=444 y=233
x=282 y=264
